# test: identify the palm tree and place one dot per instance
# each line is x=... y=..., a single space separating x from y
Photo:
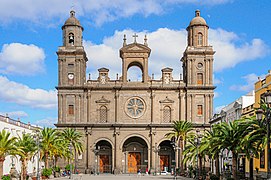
x=7 y=147
x=209 y=149
x=180 y=131
x=73 y=137
x=230 y=136
x=28 y=148
x=49 y=139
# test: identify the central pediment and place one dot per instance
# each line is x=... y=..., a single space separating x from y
x=135 y=47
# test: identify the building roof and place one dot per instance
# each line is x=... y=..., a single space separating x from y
x=197 y=20
x=72 y=21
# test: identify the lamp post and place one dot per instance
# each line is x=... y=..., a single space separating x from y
x=259 y=115
x=96 y=152
x=175 y=147
x=70 y=148
x=156 y=150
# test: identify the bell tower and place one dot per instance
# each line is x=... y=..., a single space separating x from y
x=71 y=55
x=198 y=56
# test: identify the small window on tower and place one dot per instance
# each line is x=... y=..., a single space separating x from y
x=71 y=110
x=199 y=110
x=199 y=78
x=200 y=39
x=71 y=39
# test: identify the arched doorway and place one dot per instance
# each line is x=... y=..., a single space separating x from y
x=103 y=160
x=136 y=155
x=167 y=160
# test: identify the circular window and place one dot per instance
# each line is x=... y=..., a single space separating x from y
x=135 y=107
x=200 y=65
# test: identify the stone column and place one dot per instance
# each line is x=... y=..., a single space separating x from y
x=64 y=107
x=59 y=96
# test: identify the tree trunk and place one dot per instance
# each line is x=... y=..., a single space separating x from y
x=46 y=160
x=2 y=159
x=217 y=166
x=234 y=165
x=200 y=165
x=24 y=173
x=181 y=157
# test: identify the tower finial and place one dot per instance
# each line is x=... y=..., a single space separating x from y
x=72 y=13
x=135 y=36
x=145 y=40
x=124 y=40
x=197 y=13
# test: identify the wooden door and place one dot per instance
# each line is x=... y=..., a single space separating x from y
x=164 y=162
x=134 y=161
x=104 y=164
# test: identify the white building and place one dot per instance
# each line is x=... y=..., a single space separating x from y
x=229 y=113
x=16 y=129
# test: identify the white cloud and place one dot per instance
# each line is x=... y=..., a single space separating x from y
x=230 y=50
x=47 y=122
x=15 y=114
x=21 y=59
x=216 y=94
x=250 y=80
x=167 y=46
x=97 y=10
x=11 y=91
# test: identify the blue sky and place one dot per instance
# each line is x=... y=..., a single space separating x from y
x=30 y=32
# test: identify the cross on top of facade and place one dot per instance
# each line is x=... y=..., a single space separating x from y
x=135 y=36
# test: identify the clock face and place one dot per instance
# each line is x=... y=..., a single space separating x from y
x=70 y=76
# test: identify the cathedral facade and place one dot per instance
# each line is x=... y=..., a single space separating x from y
x=124 y=122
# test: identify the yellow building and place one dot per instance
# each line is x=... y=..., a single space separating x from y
x=261 y=86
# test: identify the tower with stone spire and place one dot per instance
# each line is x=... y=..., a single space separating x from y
x=198 y=70
x=71 y=55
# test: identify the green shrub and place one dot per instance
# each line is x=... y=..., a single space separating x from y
x=67 y=167
x=56 y=169
x=214 y=177
x=46 y=172
x=6 y=177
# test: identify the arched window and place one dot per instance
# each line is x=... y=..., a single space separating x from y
x=166 y=114
x=103 y=114
x=71 y=39
x=199 y=78
x=200 y=39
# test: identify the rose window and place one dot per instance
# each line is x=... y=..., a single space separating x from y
x=135 y=107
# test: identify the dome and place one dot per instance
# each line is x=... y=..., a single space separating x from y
x=197 y=20
x=72 y=20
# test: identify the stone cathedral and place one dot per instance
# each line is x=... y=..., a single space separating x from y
x=124 y=122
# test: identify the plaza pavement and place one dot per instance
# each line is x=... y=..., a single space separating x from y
x=121 y=177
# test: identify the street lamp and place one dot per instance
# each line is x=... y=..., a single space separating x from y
x=70 y=148
x=96 y=152
x=156 y=150
x=175 y=147
x=259 y=115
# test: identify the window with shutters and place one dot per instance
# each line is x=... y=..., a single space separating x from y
x=71 y=110
x=103 y=114
x=200 y=110
x=166 y=114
